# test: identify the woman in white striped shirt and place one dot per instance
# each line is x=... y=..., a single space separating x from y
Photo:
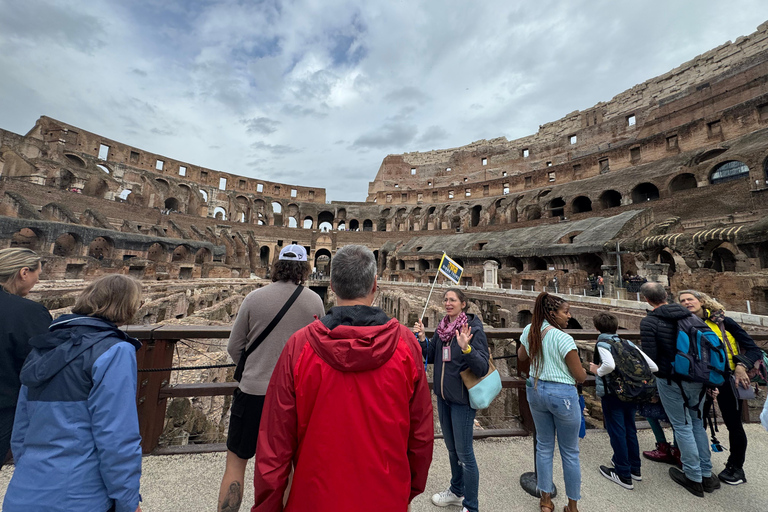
x=552 y=396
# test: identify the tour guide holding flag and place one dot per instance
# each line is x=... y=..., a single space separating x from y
x=459 y=343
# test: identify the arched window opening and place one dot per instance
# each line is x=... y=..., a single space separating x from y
x=367 y=225
x=475 y=215
x=323 y=261
x=591 y=263
x=512 y=262
x=172 y=204
x=524 y=318
x=728 y=171
x=205 y=195
x=156 y=252
x=103 y=168
x=537 y=263
x=610 y=199
x=723 y=260
x=180 y=254
x=532 y=212
x=219 y=213
x=685 y=181
x=65 y=245
x=582 y=204
x=342 y=226
x=666 y=257
x=354 y=225
x=645 y=192
x=25 y=238
x=203 y=255
x=325 y=226
x=75 y=160
x=557 y=207
x=264 y=256
x=308 y=222
x=292 y=222
x=100 y=248
x=124 y=194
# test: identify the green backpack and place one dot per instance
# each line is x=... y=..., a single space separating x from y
x=632 y=379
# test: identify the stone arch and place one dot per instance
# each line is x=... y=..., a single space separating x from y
x=27 y=238
x=323 y=261
x=666 y=256
x=67 y=244
x=205 y=195
x=512 y=262
x=264 y=256
x=292 y=222
x=163 y=185
x=524 y=317
x=557 y=207
x=591 y=263
x=728 y=171
x=610 y=199
x=76 y=160
x=181 y=254
x=156 y=252
x=63 y=179
x=644 y=192
x=723 y=259
x=342 y=226
x=475 y=215
x=219 y=213
x=277 y=213
x=367 y=225
x=203 y=255
x=341 y=214
x=292 y=212
x=581 y=204
x=260 y=209
x=308 y=223
x=244 y=208
x=532 y=212
x=104 y=168
x=96 y=187
x=684 y=181
x=325 y=220
x=537 y=263
x=354 y=225
x=101 y=248
x=172 y=204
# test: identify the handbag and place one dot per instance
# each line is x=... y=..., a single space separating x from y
x=740 y=393
x=482 y=390
x=262 y=336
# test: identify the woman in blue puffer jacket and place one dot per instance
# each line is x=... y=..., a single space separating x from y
x=76 y=438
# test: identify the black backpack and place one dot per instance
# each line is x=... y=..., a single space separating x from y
x=632 y=379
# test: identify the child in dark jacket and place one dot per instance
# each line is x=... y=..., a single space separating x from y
x=618 y=416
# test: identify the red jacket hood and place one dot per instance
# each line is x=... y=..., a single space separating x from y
x=354 y=348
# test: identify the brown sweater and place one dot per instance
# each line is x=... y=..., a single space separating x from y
x=257 y=310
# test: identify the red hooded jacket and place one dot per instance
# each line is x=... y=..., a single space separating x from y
x=350 y=409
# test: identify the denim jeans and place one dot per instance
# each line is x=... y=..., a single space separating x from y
x=692 y=440
x=556 y=412
x=457 y=422
x=619 y=420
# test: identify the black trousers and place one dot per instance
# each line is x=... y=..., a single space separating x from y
x=730 y=408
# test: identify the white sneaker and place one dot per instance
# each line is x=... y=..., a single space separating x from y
x=445 y=498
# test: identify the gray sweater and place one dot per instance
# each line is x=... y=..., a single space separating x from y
x=258 y=309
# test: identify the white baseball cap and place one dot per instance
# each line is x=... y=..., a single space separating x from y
x=293 y=252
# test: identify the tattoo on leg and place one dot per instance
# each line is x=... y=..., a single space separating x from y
x=231 y=502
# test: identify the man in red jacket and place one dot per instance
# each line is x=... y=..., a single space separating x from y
x=347 y=406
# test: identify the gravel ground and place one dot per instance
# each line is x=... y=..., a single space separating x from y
x=189 y=483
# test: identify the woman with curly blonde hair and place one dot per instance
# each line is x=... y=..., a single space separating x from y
x=742 y=354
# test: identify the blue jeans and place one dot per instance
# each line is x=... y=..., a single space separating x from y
x=556 y=411
x=619 y=420
x=457 y=422
x=690 y=435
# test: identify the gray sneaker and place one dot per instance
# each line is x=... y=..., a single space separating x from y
x=445 y=498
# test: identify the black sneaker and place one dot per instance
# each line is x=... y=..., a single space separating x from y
x=695 y=488
x=613 y=476
x=732 y=476
x=634 y=472
x=710 y=483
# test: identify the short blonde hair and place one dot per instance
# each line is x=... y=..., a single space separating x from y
x=13 y=260
x=707 y=302
x=115 y=297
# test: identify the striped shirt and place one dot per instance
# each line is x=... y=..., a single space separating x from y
x=555 y=345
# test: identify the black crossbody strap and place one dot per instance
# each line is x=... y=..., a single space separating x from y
x=276 y=320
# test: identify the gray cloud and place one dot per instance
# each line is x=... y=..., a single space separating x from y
x=407 y=95
x=262 y=125
x=275 y=149
x=432 y=135
x=387 y=136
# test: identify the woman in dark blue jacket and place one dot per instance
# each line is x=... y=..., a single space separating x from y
x=459 y=343
x=76 y=435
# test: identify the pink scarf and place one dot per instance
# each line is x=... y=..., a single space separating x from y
x=447 y=329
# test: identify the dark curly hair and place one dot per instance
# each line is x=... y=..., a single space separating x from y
x=296 y=271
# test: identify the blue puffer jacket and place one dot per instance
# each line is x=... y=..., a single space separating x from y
x=76 y=434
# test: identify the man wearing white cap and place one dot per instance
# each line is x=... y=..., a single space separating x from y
x=255 y=343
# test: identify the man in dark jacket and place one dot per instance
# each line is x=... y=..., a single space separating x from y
x=348 y=406
x=682 y=400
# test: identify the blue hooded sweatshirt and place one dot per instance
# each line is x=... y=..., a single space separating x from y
x=76 y=438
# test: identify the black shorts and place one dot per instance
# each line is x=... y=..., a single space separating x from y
x=244 y=420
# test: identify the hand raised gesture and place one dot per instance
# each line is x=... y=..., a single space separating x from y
x=418 y=329
x=463 y=336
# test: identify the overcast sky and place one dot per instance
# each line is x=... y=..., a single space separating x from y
x=318 y=92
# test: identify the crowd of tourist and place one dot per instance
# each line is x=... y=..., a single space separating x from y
x=354 y=380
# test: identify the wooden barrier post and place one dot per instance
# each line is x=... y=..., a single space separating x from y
x=154 y=354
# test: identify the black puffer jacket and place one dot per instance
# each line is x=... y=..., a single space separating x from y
x=658 y=336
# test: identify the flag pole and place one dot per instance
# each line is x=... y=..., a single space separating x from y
x=421 y=318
